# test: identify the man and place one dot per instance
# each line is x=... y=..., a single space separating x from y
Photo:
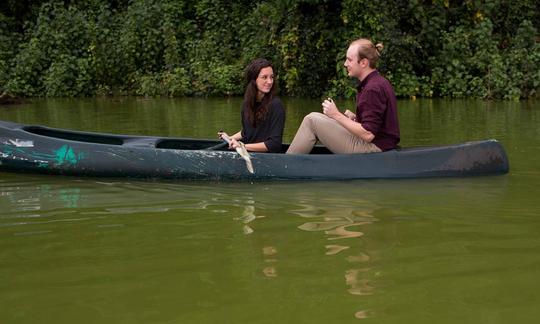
x=373 y=128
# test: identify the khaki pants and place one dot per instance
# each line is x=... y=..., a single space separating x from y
x=330 y=133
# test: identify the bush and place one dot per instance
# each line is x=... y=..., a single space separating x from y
x=484 y=49
x=68 y=76
x=55 y=48
x=169 y=83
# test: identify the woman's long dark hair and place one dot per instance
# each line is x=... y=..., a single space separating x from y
x=255 y=116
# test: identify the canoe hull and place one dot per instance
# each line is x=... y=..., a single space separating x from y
x=54 y=151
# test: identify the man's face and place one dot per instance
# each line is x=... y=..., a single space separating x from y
x=351 y=62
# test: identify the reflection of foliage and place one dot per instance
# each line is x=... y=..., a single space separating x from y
x=70 y=197
x=485 y=49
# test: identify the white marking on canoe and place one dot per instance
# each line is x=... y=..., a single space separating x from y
x=21 y=143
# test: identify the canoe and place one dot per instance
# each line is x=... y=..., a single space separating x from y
x=39 y=149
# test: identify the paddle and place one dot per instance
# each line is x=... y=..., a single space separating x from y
x=240 y=150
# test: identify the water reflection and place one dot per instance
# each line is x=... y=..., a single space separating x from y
x=270 y=256
x=363 y=314
x=70 y=197
x=33 y=201
x=269 y=252
x=45 y=200
x=247 y=217
x=340 y=221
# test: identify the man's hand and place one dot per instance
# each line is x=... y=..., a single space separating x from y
x=330 y=109
x=350 y=115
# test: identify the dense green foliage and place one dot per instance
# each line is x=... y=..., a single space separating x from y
x=467 y=48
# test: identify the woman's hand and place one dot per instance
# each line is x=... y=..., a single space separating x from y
x=233 y=144
x=220 y=134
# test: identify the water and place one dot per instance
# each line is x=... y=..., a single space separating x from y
x=90 y=250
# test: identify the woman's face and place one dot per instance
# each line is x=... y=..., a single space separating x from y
x=265 y=80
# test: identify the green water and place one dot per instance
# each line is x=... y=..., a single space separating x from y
x=76 y=250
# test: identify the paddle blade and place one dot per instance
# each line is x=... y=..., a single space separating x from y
x=249 y=166
x=245 y=155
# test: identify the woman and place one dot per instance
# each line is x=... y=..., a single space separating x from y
x=263 y=115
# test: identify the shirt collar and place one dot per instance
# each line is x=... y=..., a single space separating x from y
x=366 y=79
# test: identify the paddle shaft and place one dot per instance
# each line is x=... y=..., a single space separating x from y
x=226 y=138
x=241 y=150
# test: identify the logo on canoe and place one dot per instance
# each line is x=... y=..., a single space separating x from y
x=66 y=155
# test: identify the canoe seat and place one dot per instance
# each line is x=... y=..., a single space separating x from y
x=141 y=142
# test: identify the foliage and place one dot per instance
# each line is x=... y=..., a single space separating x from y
x=437 y=48
x=4 y=51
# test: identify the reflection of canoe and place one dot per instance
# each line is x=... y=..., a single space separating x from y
x=56 y=151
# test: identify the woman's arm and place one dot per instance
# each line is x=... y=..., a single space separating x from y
x=256 y=147
x=237 y=136
x=252 y=147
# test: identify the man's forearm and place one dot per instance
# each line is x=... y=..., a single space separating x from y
x=355 y=128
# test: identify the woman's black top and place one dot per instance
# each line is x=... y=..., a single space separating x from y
x=269 y=131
